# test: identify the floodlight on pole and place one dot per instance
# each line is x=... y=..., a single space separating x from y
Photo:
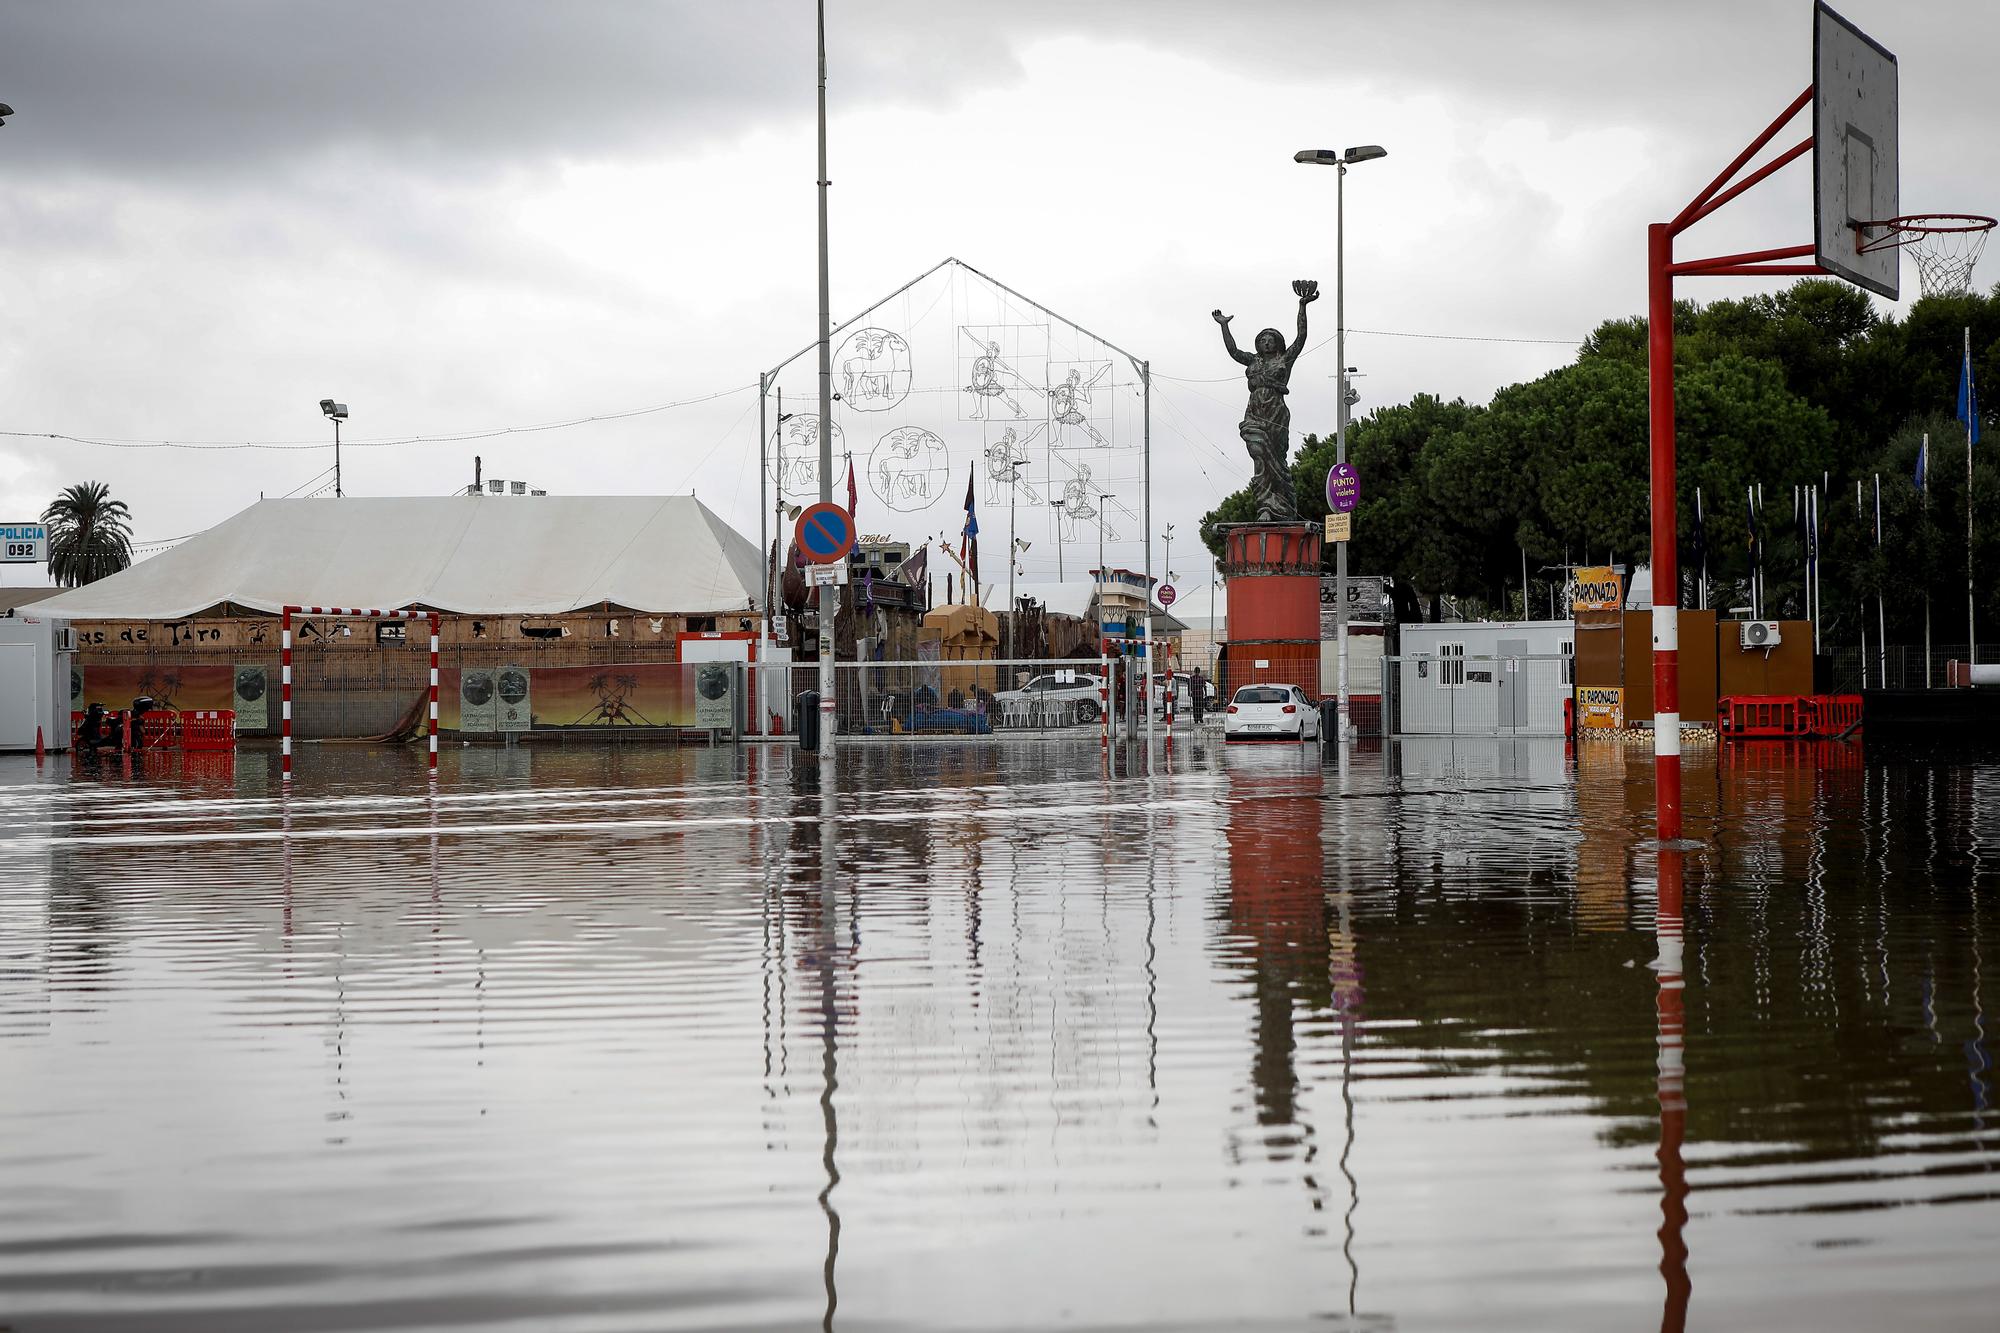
x=337 y=413
x=1327 y=157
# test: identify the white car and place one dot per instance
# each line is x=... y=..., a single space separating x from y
x=1270 y=713
x=1078 y=694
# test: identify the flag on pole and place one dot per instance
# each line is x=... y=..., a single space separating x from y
x=851 y=507
x=1968 y=397
x=1700 y=545
x=1750 y=515
x=1923 y=461
x=968 y=537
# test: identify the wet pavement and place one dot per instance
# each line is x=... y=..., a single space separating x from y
x=997 y=1036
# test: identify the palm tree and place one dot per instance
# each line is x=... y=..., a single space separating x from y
x=90 y=534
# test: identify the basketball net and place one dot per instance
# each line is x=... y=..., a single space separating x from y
x=1946 y=247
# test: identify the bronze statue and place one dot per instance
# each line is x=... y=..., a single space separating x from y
x=1267 y=422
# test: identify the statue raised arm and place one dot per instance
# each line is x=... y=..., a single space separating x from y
x=1229 y=339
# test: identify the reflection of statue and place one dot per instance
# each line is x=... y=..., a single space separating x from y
x=1267 y=421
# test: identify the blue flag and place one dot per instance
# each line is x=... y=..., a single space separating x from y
x=1968 y=397
x=1923 y=459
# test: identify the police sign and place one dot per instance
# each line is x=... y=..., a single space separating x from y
x=24 y=543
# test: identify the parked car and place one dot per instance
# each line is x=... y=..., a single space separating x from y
x=1270 y=713
x=1081 y=692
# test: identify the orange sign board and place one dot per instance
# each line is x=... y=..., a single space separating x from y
x=1597 y=588
x=1600 y=707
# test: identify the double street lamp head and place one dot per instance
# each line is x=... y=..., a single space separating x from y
x=1327 y=157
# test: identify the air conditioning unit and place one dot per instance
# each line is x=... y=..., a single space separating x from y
x=1761 y=634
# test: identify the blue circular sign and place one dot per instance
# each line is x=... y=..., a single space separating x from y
x=825 y=534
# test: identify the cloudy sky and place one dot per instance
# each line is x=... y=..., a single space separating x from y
x=466 y=216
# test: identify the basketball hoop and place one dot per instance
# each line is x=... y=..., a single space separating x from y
x=1945 y=246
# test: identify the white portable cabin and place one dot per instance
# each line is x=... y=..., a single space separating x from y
x=35 y=662
x=1485 y=678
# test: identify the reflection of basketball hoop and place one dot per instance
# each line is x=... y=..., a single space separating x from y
x=1945 y=246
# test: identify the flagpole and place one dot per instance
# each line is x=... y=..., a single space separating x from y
x=1969 y=406
x=1859 y=508
x=1701 y=588
x=1760 y=598
x=1924 y=497
x=1812 y=558
x=1881 y=616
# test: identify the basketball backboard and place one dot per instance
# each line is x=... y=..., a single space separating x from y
x=1854 y=152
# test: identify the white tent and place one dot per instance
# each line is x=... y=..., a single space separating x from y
x=476 y=555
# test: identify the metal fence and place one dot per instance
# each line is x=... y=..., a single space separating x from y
x=971 y=698
x=1898 y=667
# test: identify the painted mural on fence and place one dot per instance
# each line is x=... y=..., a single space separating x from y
x=636 y=694
x=116 y=685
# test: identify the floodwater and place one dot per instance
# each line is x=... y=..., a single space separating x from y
x=983 y=1036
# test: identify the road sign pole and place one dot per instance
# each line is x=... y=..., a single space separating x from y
x=829 y=597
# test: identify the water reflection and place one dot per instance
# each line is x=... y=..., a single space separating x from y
x=995 y=1036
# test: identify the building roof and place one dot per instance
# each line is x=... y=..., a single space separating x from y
x=476 y=555
x=1058 y=599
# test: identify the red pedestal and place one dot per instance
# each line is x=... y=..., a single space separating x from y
x=1272 y=573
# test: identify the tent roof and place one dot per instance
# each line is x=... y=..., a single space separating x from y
x=475 y=555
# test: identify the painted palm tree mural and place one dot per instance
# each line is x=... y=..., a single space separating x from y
x=90 y=534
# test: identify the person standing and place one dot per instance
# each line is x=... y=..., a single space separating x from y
x=1198 y=695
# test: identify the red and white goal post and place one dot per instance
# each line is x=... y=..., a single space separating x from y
x=353 y=613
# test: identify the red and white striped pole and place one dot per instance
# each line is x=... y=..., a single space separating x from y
x=1665 y=533
x=285 y=689
x=434 y=693
x=1103 y=691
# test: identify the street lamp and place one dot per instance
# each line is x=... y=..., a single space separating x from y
x=1059 y=537
x=5 y=111
x=1327 y=157
x=337 y=412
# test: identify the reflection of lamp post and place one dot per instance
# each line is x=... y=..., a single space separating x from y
x=1327 y=157
x=337 y=413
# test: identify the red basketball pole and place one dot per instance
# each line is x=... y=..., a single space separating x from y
x=1660 y=273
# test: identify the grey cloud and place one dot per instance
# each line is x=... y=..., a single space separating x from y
x=148 y=87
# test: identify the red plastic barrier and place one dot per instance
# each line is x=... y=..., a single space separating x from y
x=1763 y=716
x=1833 y=714
x=159 y=729
x=208 y=729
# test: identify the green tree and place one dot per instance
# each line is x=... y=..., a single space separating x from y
x=90 y=534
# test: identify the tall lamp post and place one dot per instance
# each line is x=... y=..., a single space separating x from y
x=337 y=413
x=1327 y=157
x=1167 y=556
x=1058 y=505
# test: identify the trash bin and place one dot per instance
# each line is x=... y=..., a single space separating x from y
x=1329 y=725
x=805 y=719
